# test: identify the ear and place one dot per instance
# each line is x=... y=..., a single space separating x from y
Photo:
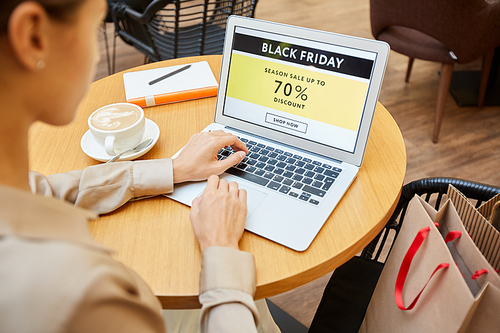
x=27 y=34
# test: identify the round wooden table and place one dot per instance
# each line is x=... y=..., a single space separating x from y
x=154 y=236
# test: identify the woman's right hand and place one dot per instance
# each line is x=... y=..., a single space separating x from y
x=218 y=215
x=198 y=159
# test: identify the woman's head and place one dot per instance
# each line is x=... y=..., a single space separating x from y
x=48 y=53
x=61 y=10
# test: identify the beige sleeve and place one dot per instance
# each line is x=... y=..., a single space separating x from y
x=114 y=302
x=103 y=188
x=227 y=287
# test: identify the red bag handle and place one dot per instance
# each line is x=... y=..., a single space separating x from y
x=405 y=267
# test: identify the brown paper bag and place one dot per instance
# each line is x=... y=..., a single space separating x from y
x=426 y=284
x=477 y=223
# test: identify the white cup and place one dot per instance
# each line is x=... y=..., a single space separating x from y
x=117 y=127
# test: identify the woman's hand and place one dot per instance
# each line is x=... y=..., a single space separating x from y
x=218 y=215
x=198 y=159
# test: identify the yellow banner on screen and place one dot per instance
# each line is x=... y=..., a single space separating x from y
x=330 y=99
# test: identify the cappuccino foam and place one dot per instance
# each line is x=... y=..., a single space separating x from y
x=115 y=118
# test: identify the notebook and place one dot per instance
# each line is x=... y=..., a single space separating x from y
x=170 y=84
x=303 y=101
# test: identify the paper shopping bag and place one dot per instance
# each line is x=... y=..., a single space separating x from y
x=478 y=223
x=422 y=288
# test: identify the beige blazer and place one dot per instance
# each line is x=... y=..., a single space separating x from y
x=55 y=278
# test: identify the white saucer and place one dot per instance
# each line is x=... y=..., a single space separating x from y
x=97 y=152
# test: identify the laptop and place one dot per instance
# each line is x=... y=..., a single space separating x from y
x=302 y=101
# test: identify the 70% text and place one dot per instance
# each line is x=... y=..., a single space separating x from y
x=287 y=90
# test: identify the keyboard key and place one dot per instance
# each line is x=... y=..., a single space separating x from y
x=263 y=158
x=278 y=178
x=293 y=194
x=317 y=163
x=260 y=145
x=264 y=152
x=250 y=169
x=307 y=181
x=251 y=162
x=297 y=185
x=259 y=172
x=290 y=167
x=260 y=165
x=326 y=166
x=287 y=174
x=319 y=169
x=288 y=181
x=297 y=177
x=272 y=155
x=300 y=171
x=291 y=160
x=279 y=151
x=243 y=140
x=248 y=176
x=315 y=191
x=307 y=160
x=225 y=153
x=314 y=202
x=300 y=163
x=274 y=185
x=281 y=158
x=241 y=166
x=297 y=157
x=272 y=161
x=310 y=174
x=270 y=148
x=278 y=171
x=317 y=184
x=254 y=155
x=304 y=196
x=284 y=189
x=309 y=166
x=269 y=175
x=271 y=168
x=337 y=169
x=328 y=184
x=319 y=177
x=331 y=173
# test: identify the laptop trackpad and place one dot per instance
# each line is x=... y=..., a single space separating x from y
x=254 y=199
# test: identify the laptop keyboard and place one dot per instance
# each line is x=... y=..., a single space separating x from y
x=290 y=174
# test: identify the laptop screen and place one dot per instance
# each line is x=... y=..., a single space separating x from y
x=309 y=89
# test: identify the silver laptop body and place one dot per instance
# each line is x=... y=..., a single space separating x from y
x=303 y=102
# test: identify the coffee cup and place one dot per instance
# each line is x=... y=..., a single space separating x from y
x=117 y=127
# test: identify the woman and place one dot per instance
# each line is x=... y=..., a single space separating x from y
x=53 y=277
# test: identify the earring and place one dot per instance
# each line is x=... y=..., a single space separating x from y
x=40 y=64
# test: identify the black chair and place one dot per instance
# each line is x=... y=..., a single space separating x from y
x=138 y=5
x=348 y=293
x=169 y=29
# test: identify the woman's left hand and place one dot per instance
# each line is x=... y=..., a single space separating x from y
x=198 y=159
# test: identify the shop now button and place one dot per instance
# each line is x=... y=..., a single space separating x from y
x=285 y=122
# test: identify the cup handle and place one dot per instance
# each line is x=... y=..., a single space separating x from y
x=109 y=144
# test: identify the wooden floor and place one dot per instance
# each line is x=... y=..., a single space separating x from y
x=469 y=144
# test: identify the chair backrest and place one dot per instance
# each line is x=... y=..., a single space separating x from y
x=469 y=28
x=434 y=189
x=170 y=29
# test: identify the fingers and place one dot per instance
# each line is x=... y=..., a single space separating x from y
x=231 y=160
x=228 y=139
x=212 y=183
